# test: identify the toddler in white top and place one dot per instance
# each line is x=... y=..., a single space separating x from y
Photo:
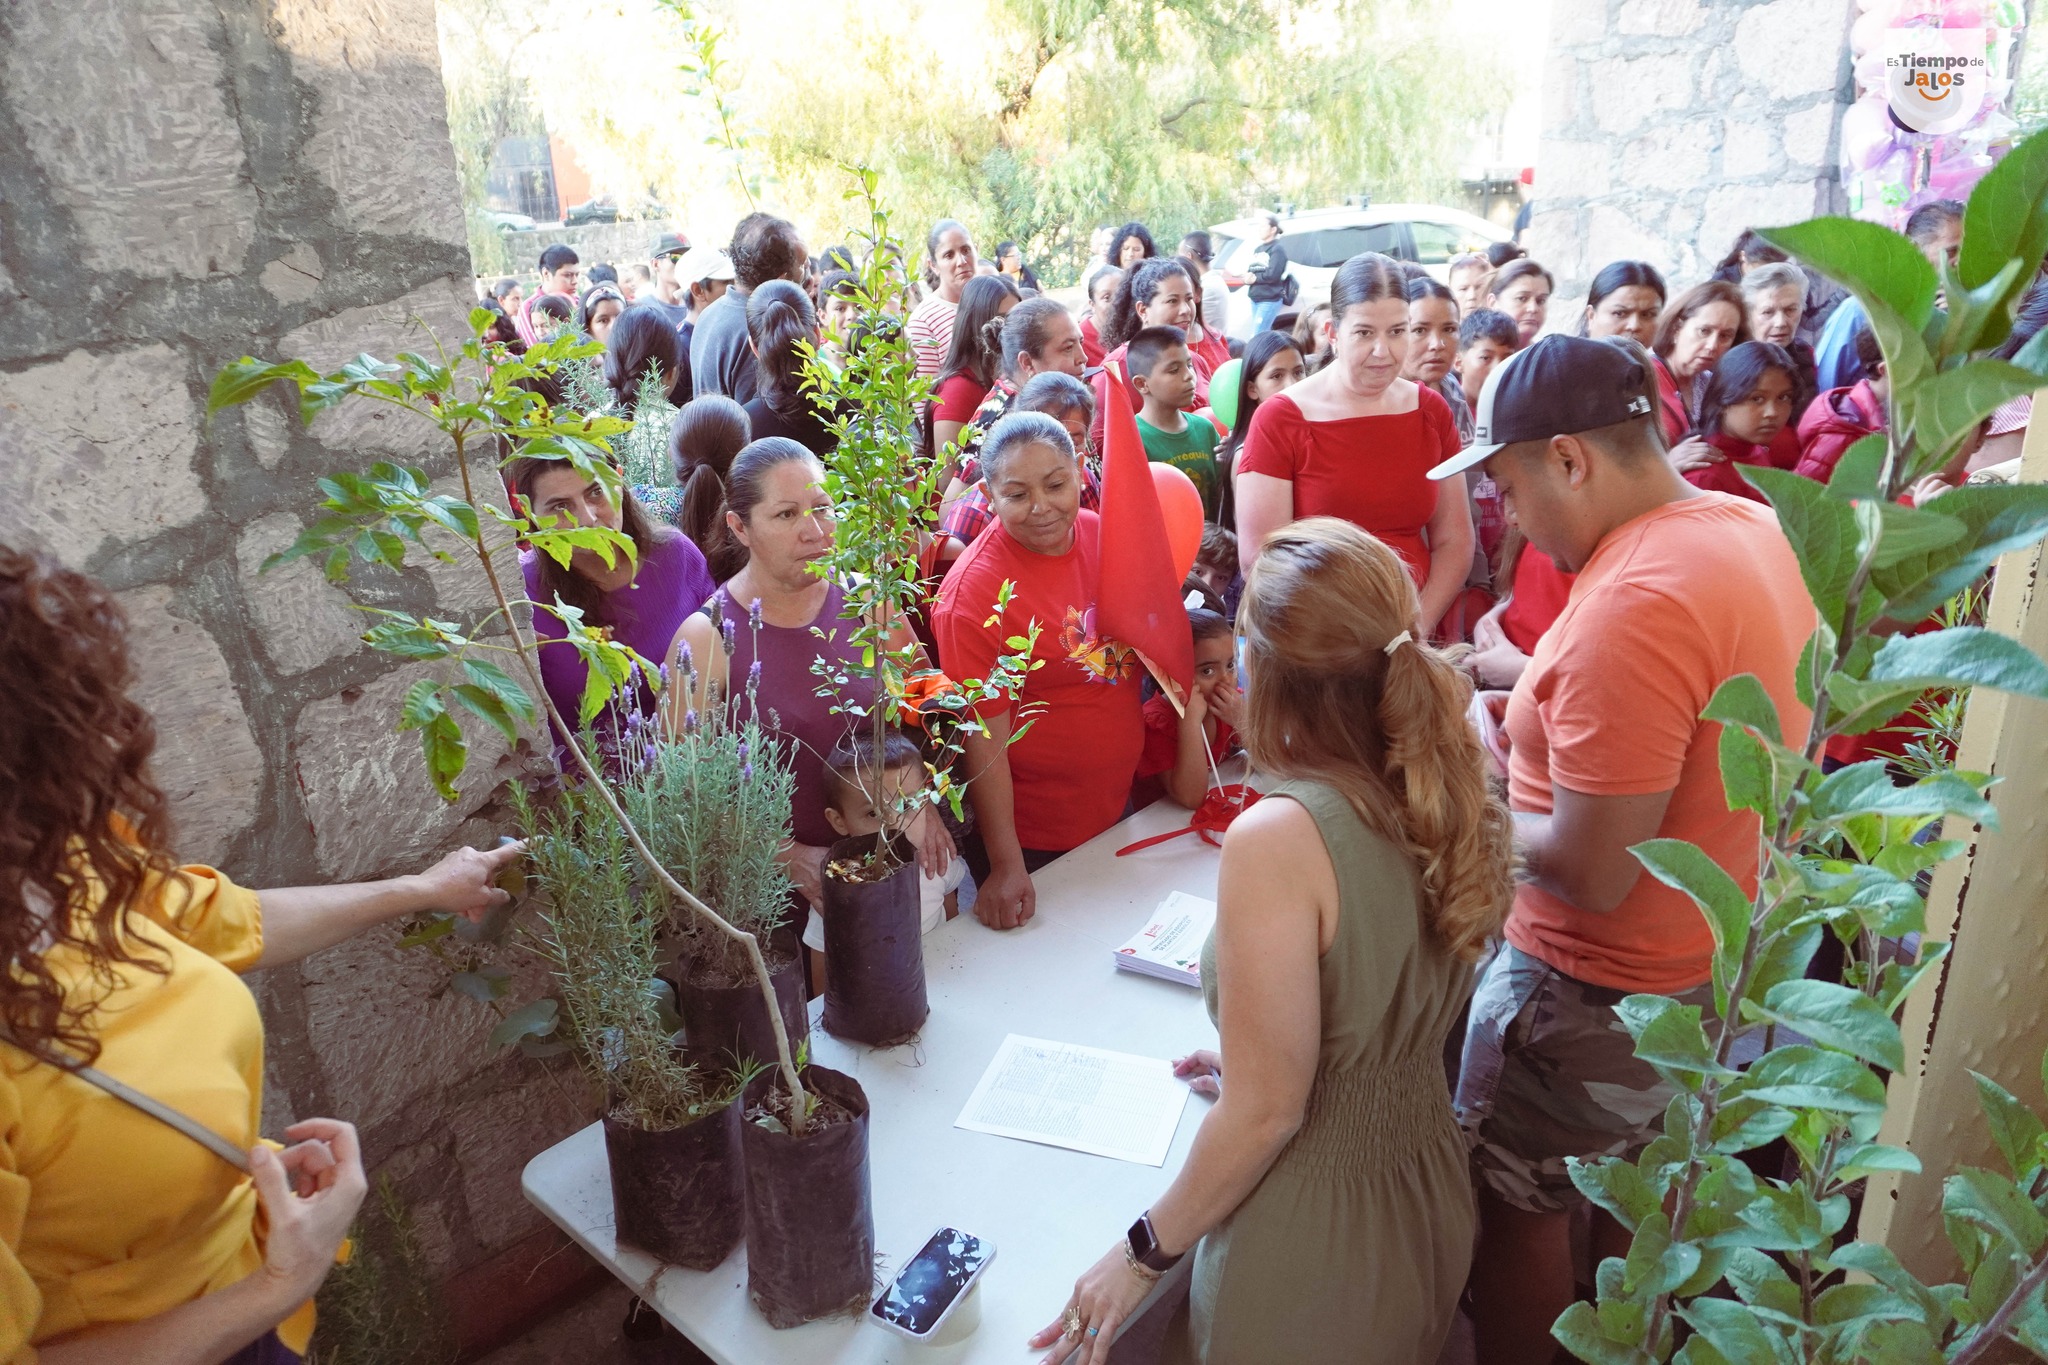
x=852 y=810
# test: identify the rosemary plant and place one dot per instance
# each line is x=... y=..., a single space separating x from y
x=644 y=449
x=600 y=937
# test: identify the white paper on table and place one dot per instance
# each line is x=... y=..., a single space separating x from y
x=1087 y=1099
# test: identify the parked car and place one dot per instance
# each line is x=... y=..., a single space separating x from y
x=1319 y=240
x=511 y=222
x=591 y=211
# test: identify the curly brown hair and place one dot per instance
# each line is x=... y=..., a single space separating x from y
x=83 y=826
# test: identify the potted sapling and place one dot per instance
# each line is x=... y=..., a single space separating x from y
x=885 y=495
x=713 y=802
x=671 y=1120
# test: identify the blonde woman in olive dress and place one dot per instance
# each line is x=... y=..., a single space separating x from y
x=1326 y=1200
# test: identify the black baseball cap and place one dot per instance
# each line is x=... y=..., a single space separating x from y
x=670 y=244
x=1560 y=386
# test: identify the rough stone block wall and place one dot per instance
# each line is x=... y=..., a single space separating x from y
x=183 y=182
x=1669 y=126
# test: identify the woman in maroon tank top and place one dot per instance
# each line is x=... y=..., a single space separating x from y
x=779 y=616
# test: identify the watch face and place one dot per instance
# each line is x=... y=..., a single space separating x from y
x=1144 y=1246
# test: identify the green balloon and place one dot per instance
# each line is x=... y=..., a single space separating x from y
x=1223 y=387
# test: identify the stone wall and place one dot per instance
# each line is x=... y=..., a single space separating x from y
x=1669 y=126
x=183 y=182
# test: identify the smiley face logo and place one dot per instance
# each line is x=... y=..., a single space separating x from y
x=1935 y=78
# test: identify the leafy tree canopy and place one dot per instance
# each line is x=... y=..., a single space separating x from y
x=1037 y=120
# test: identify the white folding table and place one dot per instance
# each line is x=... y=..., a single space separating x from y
x=1049 y=1211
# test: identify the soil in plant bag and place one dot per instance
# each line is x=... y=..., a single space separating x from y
x=810 y=1212
x=732 y=1021
x=680 y=1195
x=874 y=947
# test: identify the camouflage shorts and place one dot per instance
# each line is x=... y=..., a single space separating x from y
x=1549 y=1072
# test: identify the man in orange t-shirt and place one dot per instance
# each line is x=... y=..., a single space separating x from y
x=1677 y=591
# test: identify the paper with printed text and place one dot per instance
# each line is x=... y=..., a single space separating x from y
x=1086 y=1099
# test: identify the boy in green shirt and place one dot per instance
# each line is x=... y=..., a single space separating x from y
x=1164 y=376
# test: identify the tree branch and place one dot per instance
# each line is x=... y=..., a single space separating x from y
x=1994 y=1329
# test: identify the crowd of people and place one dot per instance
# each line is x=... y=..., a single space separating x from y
x=1469 y=572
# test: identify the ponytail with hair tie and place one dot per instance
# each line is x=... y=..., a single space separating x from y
x=779 y=317
x=1329 y=703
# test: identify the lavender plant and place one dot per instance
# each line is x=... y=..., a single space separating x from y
x=714 y=805
x=600 y=936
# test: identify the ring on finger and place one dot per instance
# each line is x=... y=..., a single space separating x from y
x=1072 y=1322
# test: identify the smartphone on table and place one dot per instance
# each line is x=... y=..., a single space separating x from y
x=932 y=1284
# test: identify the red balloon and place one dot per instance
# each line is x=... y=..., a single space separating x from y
x=1181 y=506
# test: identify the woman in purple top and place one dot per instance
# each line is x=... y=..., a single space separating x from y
x=779 y=615
x=643 y=602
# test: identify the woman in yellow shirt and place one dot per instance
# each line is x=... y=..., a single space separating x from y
x=122 y=1238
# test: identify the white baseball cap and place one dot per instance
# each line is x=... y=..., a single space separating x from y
x=704 y=263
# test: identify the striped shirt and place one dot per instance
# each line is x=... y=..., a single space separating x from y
x=930 y=333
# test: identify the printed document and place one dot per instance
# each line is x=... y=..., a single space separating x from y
x=1109 y=1104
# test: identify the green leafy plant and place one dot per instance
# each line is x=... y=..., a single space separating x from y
x=1936 y=725
x=382 y=1306
x=600 y=937
x=707 y=78
x=885 y=493
x=481 y=400
x=1758 y=1269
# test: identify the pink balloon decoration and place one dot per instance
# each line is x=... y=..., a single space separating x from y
x=1866 y=134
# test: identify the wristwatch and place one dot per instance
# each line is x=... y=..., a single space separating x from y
x=1144 y=1246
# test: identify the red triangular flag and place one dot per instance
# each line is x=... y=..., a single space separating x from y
x=1139 y=601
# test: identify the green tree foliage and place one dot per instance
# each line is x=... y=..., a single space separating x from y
x=885 y=494
x=488 y=101
x=1727 y=1265
x=1036 y=120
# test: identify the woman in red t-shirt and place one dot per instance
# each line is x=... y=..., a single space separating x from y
x=972 y=357
x=1069 y=778
x=1357 y=441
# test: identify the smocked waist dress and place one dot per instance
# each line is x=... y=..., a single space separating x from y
x=1355 y=1245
